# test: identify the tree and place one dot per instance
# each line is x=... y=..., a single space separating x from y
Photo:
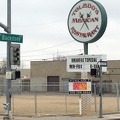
x=2 y=67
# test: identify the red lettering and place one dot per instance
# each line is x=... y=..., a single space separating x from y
x=93 y=7
x=89 y=5
x=81 y=20
x=85 y=5
x=89 y=34
x=84 y=35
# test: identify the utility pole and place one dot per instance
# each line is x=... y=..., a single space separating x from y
x=8 y=69
x=16 y=47
x=8 y=81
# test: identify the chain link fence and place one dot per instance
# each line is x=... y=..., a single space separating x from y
x=36 y=100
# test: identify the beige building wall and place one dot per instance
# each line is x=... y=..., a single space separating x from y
x=38 y=84
x=41 y=69
x=113 y=71
x=50 y=68
x=25 y=73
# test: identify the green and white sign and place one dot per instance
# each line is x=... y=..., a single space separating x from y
x=87 y=21
x=11 y=38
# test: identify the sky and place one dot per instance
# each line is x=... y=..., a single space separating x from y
x=43 y=24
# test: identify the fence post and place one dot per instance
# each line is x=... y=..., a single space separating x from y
x=13 y=104
x=95 y=97
x=66 y=102
x=35 y=95
x=80 y=105
x=117 y=97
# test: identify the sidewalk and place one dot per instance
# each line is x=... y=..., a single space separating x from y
x=105 y=117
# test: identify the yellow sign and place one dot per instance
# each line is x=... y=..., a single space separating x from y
x=8 y=75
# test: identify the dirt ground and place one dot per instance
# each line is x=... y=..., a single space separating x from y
x=29 y=105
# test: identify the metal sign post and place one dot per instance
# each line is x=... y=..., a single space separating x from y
x=102 y=64
x=8 y=81
x=8 y=69
x=100 y=93
x=8 y=38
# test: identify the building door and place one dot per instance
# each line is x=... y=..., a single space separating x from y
x=52 y=83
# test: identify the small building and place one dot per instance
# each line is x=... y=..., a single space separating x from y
x=52 y=75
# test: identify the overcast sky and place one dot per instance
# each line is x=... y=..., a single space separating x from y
x=43 y=24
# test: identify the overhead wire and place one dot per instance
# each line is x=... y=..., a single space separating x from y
x=48 y=47
x=45 y=49
x=54 y=53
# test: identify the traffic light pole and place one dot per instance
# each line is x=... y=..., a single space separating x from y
x=8 y=81
x=7 y=29
x=8 y=69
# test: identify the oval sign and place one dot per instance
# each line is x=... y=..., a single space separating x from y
x=87 y=21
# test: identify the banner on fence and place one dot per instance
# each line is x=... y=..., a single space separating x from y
x=79 y=86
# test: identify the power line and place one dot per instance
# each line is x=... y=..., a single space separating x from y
x=53 y=53
x=45 y=48
x=48 y=47
x=48 y=54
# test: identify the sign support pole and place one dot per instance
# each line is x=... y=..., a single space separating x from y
x=8 y=69
x=86 y=48
x=80 y=98
x=8 y=97
x=100 y=91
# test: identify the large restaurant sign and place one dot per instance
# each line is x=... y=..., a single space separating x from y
x=87 y=21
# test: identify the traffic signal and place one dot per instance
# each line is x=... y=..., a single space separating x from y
x=15 y=54
x=16 y=74
x=94 y=72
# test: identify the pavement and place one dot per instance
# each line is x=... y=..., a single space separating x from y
x=104 y=117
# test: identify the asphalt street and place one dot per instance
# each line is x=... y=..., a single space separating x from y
x=105 y=117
